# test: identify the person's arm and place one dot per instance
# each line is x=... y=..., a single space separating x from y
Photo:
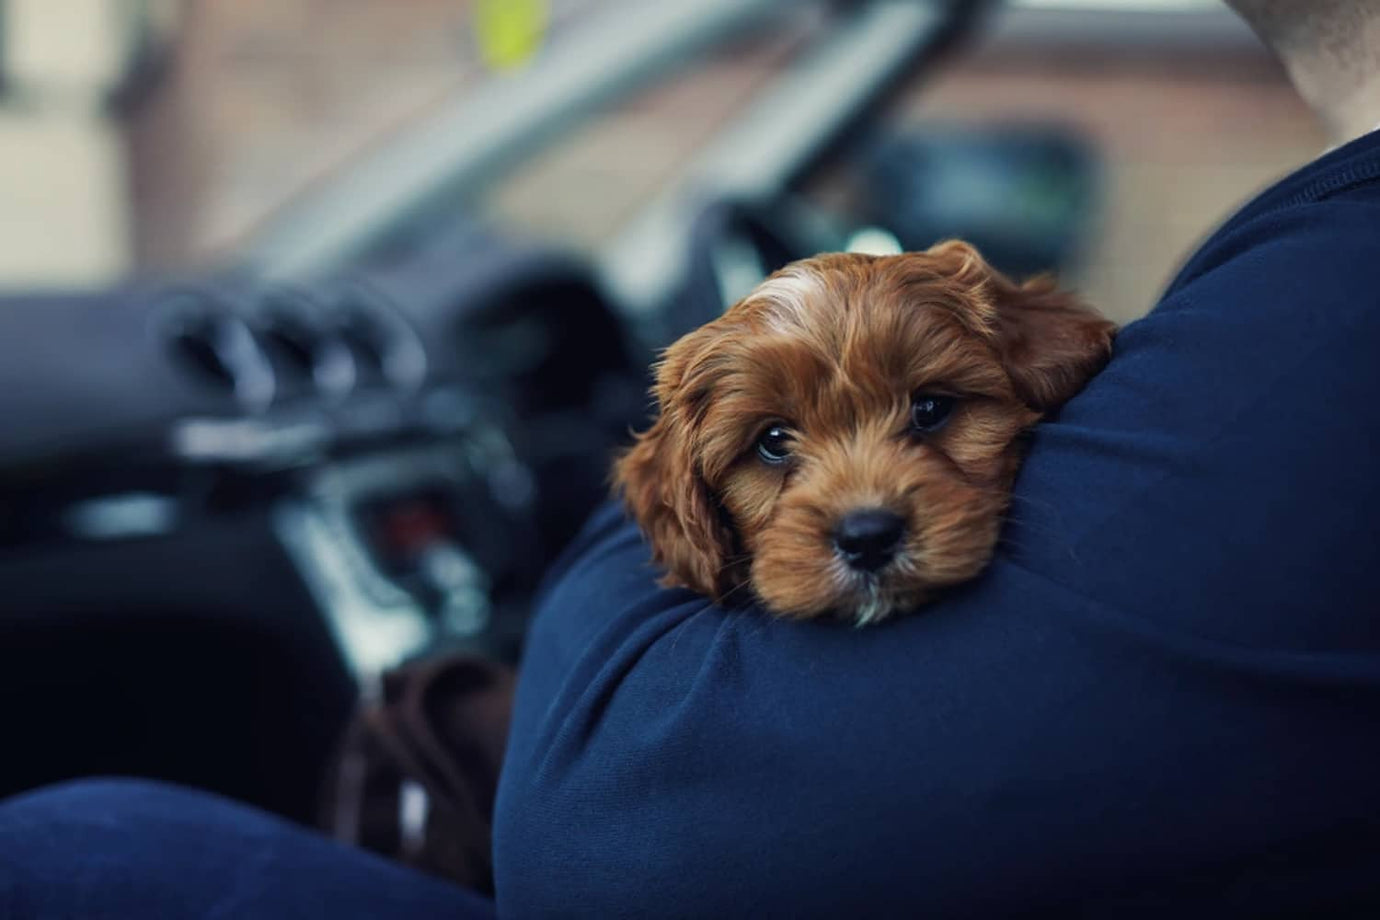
x=1164 y=691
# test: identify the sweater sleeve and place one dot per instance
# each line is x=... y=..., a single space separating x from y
x=1162 y=694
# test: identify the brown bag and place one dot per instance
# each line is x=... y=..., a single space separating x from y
x=416 y=774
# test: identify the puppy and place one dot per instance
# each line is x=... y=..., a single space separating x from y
x=842 y=442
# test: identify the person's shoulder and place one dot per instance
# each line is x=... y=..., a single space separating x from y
x=1326 y=249
x=1322 y=220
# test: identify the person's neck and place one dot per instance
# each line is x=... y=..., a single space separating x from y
x=1342 y=84
x=1347 y=114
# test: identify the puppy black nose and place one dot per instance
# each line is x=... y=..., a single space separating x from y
x=867 y=539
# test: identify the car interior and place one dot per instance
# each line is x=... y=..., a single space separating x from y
x=232 y=496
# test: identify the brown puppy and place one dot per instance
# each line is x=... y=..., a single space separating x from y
x=843 y=440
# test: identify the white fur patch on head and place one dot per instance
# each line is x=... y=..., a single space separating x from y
x=788 y=294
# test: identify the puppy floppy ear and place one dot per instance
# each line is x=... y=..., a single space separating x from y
x=662 y=482
x=1050 y=343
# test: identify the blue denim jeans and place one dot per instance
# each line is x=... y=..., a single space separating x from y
x=134 y=849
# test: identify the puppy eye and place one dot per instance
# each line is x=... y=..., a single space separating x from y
x=774 y=445
x=930 y=411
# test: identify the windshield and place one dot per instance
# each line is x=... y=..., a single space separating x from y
x=156 y=137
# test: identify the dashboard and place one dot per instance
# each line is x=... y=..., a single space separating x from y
x=225 y=505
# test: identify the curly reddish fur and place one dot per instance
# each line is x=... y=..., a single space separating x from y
x=834 y=348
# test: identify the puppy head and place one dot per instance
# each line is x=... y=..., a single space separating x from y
x=844 y=439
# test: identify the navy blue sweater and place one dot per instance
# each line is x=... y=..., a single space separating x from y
x=1164 y=694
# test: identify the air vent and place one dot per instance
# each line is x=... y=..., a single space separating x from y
x=218 y=348
x=295 y=344
x=299 y=342
x=383 y=344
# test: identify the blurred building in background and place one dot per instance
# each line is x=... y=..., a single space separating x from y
x=259 y=99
